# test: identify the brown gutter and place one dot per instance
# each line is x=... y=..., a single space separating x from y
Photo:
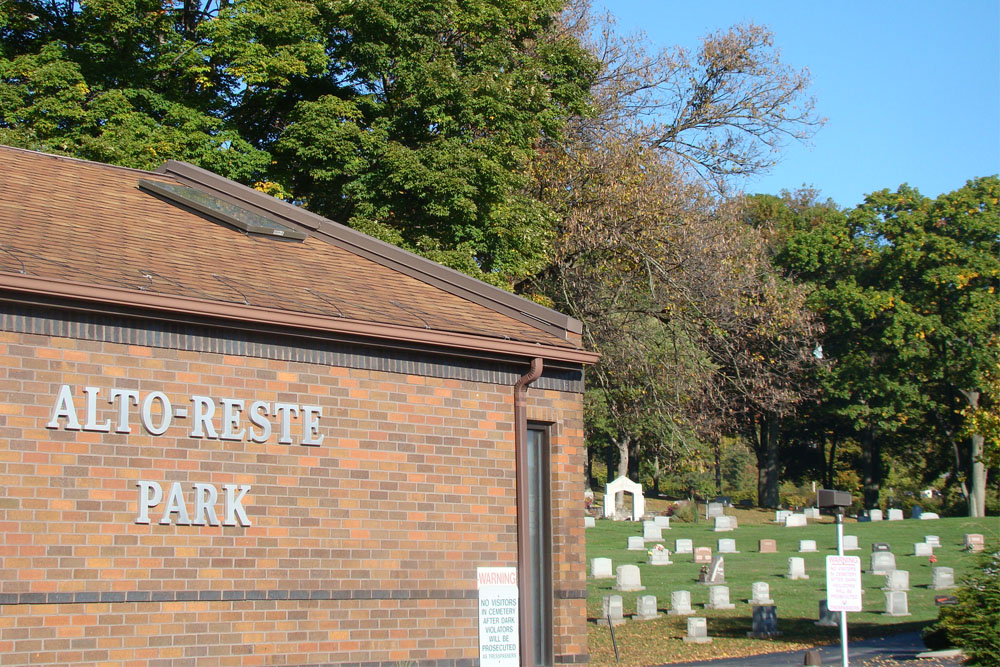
x=525 y=564
x=283 y=318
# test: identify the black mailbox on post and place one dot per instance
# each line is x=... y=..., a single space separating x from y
x=830 y=498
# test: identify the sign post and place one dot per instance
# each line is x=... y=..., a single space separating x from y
x=499 y=638
x=843 y=586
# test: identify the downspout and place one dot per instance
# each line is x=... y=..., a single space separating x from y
x=525 y=566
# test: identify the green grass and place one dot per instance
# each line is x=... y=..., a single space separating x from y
x=660 y=641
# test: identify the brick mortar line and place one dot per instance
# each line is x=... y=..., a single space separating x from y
x=105 y=597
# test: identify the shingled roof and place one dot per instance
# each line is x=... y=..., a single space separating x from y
x=93 y=234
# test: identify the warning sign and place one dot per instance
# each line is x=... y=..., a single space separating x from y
x=498 y=628
x=843 y=583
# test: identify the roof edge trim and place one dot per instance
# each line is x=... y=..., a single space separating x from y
x=242 y=313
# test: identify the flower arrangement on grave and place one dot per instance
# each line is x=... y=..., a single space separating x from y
x=657 y=548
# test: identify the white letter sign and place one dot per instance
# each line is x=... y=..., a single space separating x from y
x=498 y=630
x=843 y=583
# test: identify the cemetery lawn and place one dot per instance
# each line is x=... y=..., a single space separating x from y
x=659 y=641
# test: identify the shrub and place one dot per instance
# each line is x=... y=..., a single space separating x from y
x=974 y=623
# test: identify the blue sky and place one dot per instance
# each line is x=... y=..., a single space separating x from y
x=910 y=90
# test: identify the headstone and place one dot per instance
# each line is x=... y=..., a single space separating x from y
x=827 y=618
x=851 y=543
x=697 y=631
x=680 y=603
x=811 y=512
x=876 y=515
x=797 y=568
x=896 y=603
x=795 y=521
x=718 y=598
x=703 y=555
x=624 y=485
x=662 y=521
x=651 y=531
x=636 y=543
x=645 y=608
x=897 y=580
x=781 y=515
x=863 y=516
x=589 y=522
x=929 y=516
x=880 y=546
x=916 y=511
x=727 y=547
x=942 y=578
x=807 y=546
x=613 y=613
x=683 y=547
x=882 y=562
x=932 y=540
x=767 y=547
x=723 y=523
x=714 y=509
x=734 y=523
x=716 y=573
x=600 y=568
x=659 y=556
x=765 y=622
x=628 y=578
x=922 y=549
x=760 y=593
x=895 y=515
x=973 y=542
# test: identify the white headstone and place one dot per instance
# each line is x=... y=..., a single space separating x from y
x=718 y=598
x=922 y=549
x=876 y=515
x=942 y=578
x=636 y=543
x=613 y=611
x=851 y=543
x=697 y=631
x=624 y=485
x=662 y=521
x=781 y=515
x=811 y=512
x=628 y=578
x=929 y=516
x=589 y=522
x=680 y=603
x=659 y=556
x=807 y=546
x=797 y=568
x=795 y=521
x=600 y=568
x=761 y=593
x=727 y=546
x=683 y=547
x=882 y=562
x=896 y=603
x=897 y=580
x=645 y=608
x=714 y=510
x=651 y=531
x=722 y=524
x=895 y=515
x=973 y=542
x=932 y=540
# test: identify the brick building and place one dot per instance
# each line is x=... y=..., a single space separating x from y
x=236 y=433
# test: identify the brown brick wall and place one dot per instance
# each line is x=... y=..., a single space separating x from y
x=363 y=549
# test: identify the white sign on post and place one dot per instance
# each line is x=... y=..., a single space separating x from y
x=498 y=628
x=843 y=583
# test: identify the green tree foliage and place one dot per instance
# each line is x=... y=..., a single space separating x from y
x=412 y=121
x=974 y=623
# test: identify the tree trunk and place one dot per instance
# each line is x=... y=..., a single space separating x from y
x=622 y=447
x=871 y=458
x=718 y=468
x=977 y=478
x=588 y=473
x=830 y=464
x=767 y=463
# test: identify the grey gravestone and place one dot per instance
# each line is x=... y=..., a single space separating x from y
x=765 y=622
x=781 y=515
x=797 y=568
x=916 y=511
x=716 y=571
x=718 y=598
x=897 y=580
x=680 y=603
x=851 y=543
x=662 y=521
x=600 y=568
x=876 y=515
x=767 y=547
x=895 y=515
x=659 y=556
x=811 y=512
x=760 y=593
x=880 y=546
x=973 y=542
x=697 y=631
x=827 y=618
x=929 y=516
x=727 y=546
x=723 y=524
x=942 y=578
x=651 y=532
x=588 y=522
x=882 y=562
x=795 y=521
x=807 y=546
x=683 y=547
x=703 y=555
x=628 y=578
x=714 y=509
x=612 y=611
x=896 y=603
x=636 y=543
x=922 y=549
x=932 y=540
x=645 y=608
